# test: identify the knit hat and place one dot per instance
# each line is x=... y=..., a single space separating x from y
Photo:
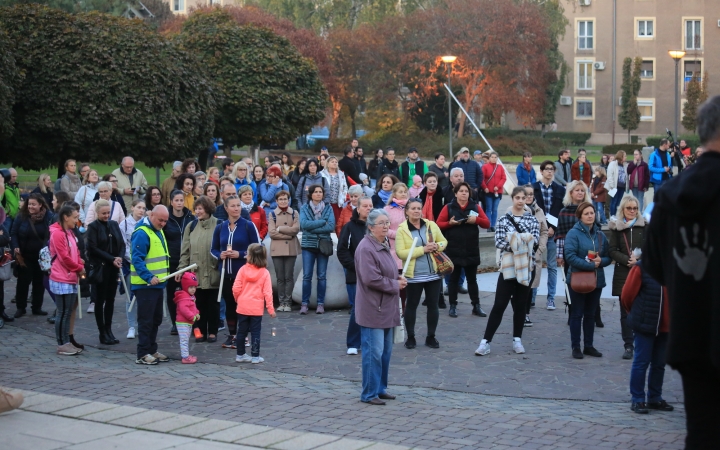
x=188 y=280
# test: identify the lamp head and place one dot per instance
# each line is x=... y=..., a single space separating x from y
x=448 y=59
x=676 y=54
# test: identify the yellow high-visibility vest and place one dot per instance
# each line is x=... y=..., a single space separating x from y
x=157 y=260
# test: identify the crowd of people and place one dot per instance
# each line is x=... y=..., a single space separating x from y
x=79 y=240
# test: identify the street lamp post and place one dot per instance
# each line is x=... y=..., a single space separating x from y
x=449 y=60
x=677 y=55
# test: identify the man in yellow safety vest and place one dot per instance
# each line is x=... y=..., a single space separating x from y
x=150 y=262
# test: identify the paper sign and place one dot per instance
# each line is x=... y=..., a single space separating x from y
x=552 y=220
x=612 y=192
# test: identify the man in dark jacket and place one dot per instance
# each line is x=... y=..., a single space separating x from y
x=360 y=161
x=549 y=196
x=563 y=167
x=443 y=173
x=347 y=165
x=471 y=169
x=412 y=166
x=352 y=233
x=388 y=164
x=682 y=252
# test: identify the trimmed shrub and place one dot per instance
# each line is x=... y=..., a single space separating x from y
x=629 y=148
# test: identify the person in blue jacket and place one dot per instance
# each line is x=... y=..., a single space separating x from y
x=525 y=172
x=583 y=238
x=471 y=170
x=317 y=221
x=660 y=164
x=272 y=185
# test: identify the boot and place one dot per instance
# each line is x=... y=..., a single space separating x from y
x=441 y=302
x=598 y=321
x=477 y=310
x=110 y=335
x=75 y=344
x=104 y=338
x=9 y=401
x=6 y=318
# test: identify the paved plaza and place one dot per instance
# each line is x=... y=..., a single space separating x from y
x=447 y=398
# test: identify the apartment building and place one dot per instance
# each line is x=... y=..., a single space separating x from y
x=645 y=28
x=184 y=6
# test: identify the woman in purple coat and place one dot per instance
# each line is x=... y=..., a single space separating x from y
x=377 y=306
x=638 y=178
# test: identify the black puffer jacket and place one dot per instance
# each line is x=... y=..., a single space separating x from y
x=174 y=235
x=620 y=237
x=438 y=201
x=28 y=241
x=463 y=248
x=352 y=233
x=105 y=243
x=644 y=317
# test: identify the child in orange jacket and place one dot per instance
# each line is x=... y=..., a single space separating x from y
x=253 y=292
x=187 y=314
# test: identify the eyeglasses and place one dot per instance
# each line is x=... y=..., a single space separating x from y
x=631 y=208
x=113 y=181
x=382 y=224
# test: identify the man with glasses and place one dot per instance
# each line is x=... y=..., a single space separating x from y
x=131 y=182
x=549 y=196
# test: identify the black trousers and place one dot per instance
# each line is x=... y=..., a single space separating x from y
x=207 y=304
x=170 y=289
x=230 y=304
x=627 y=333
x=432 y=295
x=149 y=317
x=27 y=276
x=530 y=292
x=508 y=291
x=471 y=277
x=245 y=324
x=700 y=381
x=105 y=298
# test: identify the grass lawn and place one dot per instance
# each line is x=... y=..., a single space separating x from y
x=28 y=178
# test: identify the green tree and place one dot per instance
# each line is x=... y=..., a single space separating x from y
x=271 y=94
x=695 y=94
x=98 y=87
x=9 y=78
x=629 y=118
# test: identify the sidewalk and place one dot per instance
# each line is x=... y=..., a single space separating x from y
x=46 y=422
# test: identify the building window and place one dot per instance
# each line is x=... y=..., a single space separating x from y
x=584 y=109
x=645 y=28
x=647 y=69
x=178 y=5
x=585 y=75
x=693 y=40
x=585 y=35
x=691 y=67
x=647 y=110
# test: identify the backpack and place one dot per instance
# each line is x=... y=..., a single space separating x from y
x=275 y=217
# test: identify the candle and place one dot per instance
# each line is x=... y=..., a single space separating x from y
x=274 y=331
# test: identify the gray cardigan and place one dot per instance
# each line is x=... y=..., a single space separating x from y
x=378 y=290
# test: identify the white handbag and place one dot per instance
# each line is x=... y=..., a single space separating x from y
x=399 y=331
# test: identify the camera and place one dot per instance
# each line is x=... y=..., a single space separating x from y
x=6 y=175
x=675 y=146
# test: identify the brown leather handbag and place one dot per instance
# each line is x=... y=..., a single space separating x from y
x=585 y=282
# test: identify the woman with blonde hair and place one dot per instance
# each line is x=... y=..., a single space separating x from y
x=44 y=187
x=105 y=189
x=617 y=179
x=241 y=176
x=337 y=185
x=86 y=194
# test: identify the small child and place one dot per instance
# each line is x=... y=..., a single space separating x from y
x=417 y=187
x=599 y=193
x=187 y=314
x=648 y=308
x=253 y=292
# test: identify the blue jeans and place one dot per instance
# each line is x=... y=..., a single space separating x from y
x=131 y=315
x=640 y=195
x=491 y=207
x=222 y=309
x=551 y=268
x=649 y=351
x=600 y=208
x=353 y=331
x=616 y=200
x=460 y=282
x=309 y=259
x=377 y=344
x=582 y=314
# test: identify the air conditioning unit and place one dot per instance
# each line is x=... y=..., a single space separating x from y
x=718 y=23
x=599 y=65
x=584 y=2
x=619 y=101
x=565 y=100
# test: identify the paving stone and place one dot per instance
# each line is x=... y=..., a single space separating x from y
x=56 y=404
x=86 y=409
x=205 y=428
x=268 y=438
x=113 y=414
x=172 y=423
x=305 y=441
x=236 y=433
x=346 y=444
x=143 y=418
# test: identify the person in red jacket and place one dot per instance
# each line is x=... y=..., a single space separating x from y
x=186 y=315
x=257 y=215
x=493 y=181
x=581 y=170
x=252 y=290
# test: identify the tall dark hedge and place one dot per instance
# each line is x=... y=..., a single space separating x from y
x=98 y=87
x=9 y=78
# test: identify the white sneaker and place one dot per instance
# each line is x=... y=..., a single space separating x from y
x=483 y=349
x=517 y=346
x=257 y=359
x=243 y=358
x=91 y=308
x=551 y=305
x=131 y=333
x=247 y=342
x=352 y=351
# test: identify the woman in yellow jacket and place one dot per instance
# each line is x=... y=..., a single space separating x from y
x=422 y=270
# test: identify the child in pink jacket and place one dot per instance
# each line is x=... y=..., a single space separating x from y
x=253 y=292
x=187 y=314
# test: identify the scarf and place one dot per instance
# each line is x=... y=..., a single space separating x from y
x=398 y=203
x=247 y=208
x=38 y=216
x=527 y=167
x=317 y=209
x=283 y=209
x=631 y=223
x=427 y=209
x=384 y=196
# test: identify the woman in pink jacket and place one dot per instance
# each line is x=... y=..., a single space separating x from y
x=67 y=266
x=493 y=183
x=395 y=209
x=252 y=290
